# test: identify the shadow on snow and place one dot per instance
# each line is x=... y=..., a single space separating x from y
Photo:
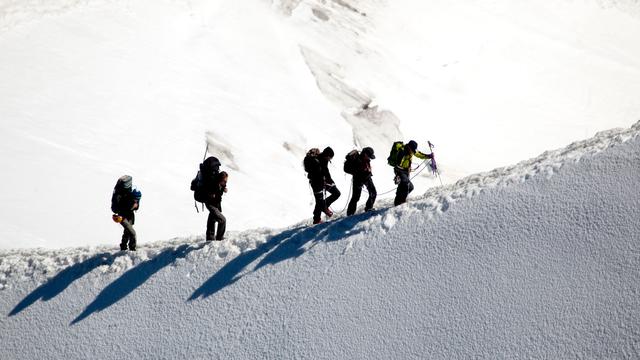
x=133 y=278
x=287 y=245
x=57 y=284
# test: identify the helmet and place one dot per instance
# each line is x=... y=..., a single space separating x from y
x=412 y=145
x=369 y=152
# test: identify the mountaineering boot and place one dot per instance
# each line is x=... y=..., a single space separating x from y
x=328 y=212
x=319 y=221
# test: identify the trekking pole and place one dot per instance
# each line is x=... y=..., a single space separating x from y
x=324 y=197
x=434 y=167
x=206 y=150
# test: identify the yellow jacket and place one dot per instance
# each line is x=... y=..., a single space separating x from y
x=405 y=163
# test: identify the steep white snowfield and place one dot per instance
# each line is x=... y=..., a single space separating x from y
x=94 y=89
x=536 y=260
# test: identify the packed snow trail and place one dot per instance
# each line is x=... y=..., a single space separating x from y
x=537 y=260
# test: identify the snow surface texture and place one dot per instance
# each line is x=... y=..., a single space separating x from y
x=536 y=260
x=94 y=89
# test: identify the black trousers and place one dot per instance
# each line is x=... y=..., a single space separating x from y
x=321 y=202
x=404 y=187
x=129 y=234
x=358 y=183
x=215 y=216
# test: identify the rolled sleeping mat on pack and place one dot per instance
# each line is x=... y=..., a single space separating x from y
x=124 y=182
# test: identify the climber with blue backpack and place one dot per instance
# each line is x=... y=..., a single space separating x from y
x=400 y=158
x=124 y=201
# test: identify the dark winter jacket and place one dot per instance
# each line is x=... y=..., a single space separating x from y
x=124 y=203
x=214 y=188
x=362 y=168
x=319 y=171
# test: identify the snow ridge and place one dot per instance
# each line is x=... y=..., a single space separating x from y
x=40 y=265
x=545 y=164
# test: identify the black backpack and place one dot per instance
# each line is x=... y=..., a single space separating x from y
x=122 y=189
x=208 y=171
x=310 y=160
x=351 y=161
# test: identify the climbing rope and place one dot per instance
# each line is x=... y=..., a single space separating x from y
x=348 y=199
x=416 y=174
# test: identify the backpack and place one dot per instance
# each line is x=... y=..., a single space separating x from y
x=197 y=186
x=351 y=161
x=395 y=155
x=310 y=159
x=122 y=188
x=208 y=171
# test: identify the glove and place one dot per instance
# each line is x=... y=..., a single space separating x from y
x=117 y=218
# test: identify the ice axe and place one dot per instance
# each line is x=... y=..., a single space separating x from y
x=432 y=164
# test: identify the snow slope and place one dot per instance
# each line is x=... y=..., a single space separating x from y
x=535 y=260
x=91 y=90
